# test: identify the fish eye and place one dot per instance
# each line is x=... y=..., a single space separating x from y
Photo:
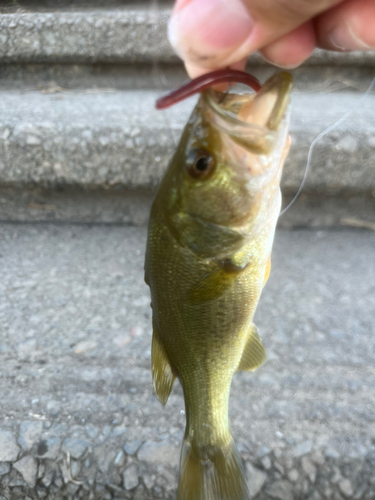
x=200 y=164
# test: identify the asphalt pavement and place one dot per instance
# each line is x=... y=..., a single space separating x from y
x=78 y=416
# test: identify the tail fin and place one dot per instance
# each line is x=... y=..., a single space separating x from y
x=211 y=473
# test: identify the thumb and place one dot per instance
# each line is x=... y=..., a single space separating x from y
x=210 y=34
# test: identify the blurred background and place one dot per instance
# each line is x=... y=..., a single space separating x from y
x=81 y=152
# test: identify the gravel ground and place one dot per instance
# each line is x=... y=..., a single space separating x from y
x=78 y=417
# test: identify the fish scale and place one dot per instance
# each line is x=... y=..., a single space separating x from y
x=210 y=237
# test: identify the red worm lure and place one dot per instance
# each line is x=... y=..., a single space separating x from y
x=204 y=82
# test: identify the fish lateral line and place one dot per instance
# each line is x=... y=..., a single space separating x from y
x=204 y=82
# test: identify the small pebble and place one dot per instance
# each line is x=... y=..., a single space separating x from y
x=131 y=479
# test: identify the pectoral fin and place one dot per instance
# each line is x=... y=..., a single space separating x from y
x=254 y=353
x=211 y=287
x=214 y=284
x=162 y=373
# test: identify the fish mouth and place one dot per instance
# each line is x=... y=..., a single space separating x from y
x=253 y=121
x=253 y=137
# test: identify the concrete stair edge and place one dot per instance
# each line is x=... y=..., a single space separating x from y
x=125 y=35
x=118 y=140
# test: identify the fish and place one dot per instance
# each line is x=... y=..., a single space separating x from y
x=208 y=257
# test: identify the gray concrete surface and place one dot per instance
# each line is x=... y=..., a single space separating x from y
x=118 y=139
x=52 y=5
x=136 y=32
x=130 y=34
x=78 y=417
x=50 y=77
x=132 y=207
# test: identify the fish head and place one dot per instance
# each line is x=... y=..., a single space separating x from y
x=222 y=184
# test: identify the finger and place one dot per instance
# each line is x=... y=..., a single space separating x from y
x=195 y=71
x=199 y=32
x=210 y=34
x=348 y=26
x=292 y=49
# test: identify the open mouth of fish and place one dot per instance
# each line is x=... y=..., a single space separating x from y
x=257 y=123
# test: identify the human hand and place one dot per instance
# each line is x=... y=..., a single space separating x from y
x=212 y=34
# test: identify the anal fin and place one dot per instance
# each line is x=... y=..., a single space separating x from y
x=254 y=353
x=162 y=373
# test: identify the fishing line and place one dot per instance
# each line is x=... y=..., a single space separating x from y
x=322 y=134
x=330 y=85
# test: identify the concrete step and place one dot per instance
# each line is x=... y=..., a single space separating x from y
x=19 y=6
x=136 y=32
x=124 y=46
x=79 y=418
x=136 y=76
x=129 y=34
x=117 y=141
x=163 y=76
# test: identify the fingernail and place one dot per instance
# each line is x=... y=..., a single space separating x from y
x=195 y=71
x=344 y=38
x=204 y=31
x=281 y=66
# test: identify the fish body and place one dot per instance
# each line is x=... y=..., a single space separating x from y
x=208 y=253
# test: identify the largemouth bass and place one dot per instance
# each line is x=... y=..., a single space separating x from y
x=208 y=253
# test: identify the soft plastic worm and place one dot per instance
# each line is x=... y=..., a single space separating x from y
x=204 y=82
